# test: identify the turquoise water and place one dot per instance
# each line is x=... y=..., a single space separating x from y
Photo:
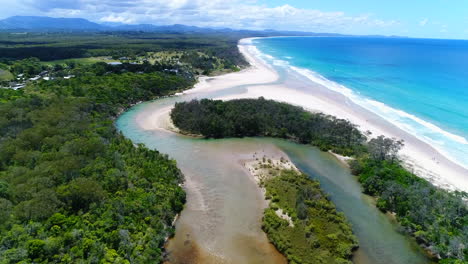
x=420 y=85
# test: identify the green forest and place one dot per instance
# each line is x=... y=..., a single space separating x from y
x=58 y=46
x=72 y=188
x=320 y=234
x=437 y=218
x=240 y=118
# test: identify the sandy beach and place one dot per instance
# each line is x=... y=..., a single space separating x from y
x=418 y=156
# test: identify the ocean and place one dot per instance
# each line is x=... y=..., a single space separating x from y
x=420 y=85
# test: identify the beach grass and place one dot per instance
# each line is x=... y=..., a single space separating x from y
x=83 y=61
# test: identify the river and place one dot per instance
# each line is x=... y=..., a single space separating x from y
x=221 y=222
x=222 y=219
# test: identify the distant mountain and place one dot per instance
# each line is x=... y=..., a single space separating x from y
x=36 y=23
x=50 y=24
x=153 y=28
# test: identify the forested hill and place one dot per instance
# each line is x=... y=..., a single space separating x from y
x=437 y=218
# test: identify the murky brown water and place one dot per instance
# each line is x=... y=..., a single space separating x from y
x=222 y=219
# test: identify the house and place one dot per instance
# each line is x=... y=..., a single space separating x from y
x=115 y=63
x=18 y=86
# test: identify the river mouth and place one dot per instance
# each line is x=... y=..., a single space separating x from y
x=221 y=222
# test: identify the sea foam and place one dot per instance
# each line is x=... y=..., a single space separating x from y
x=450 y=145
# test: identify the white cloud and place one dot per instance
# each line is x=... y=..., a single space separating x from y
x=214 y=13
x=117 y=19
x=443 y=29
x=423 y=22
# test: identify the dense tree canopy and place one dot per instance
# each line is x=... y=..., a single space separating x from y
x=437 y=218
x=72 y=189
x=319 y=234
x=249 y=117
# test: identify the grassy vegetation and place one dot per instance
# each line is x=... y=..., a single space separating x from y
x=6 y=75
x=82 y=61
x=319 y=233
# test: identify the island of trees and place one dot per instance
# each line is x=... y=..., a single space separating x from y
x=301 y=221
x=437 y=218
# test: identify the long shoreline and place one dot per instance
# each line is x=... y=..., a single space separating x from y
x=257 y=80
x=261 y=79
x=418 y=156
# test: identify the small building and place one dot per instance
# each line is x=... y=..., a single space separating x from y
x=18 y=86
x=114 y=63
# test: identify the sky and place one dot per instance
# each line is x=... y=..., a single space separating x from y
x=414 y=18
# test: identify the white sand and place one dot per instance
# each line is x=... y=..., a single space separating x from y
x=258 y=73
x=265 y=167
x=418 y=156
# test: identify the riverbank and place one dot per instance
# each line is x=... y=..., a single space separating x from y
x=224 y=204
x=147 y=118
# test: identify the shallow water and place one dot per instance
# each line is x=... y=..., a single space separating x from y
x=221 y=221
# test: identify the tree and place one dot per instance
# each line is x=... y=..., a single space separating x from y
x=81 y=193
x=382 y=148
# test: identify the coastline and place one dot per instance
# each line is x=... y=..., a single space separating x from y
x=418 y=156
x=260 y=81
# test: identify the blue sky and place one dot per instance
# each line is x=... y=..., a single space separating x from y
x=415 y=18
